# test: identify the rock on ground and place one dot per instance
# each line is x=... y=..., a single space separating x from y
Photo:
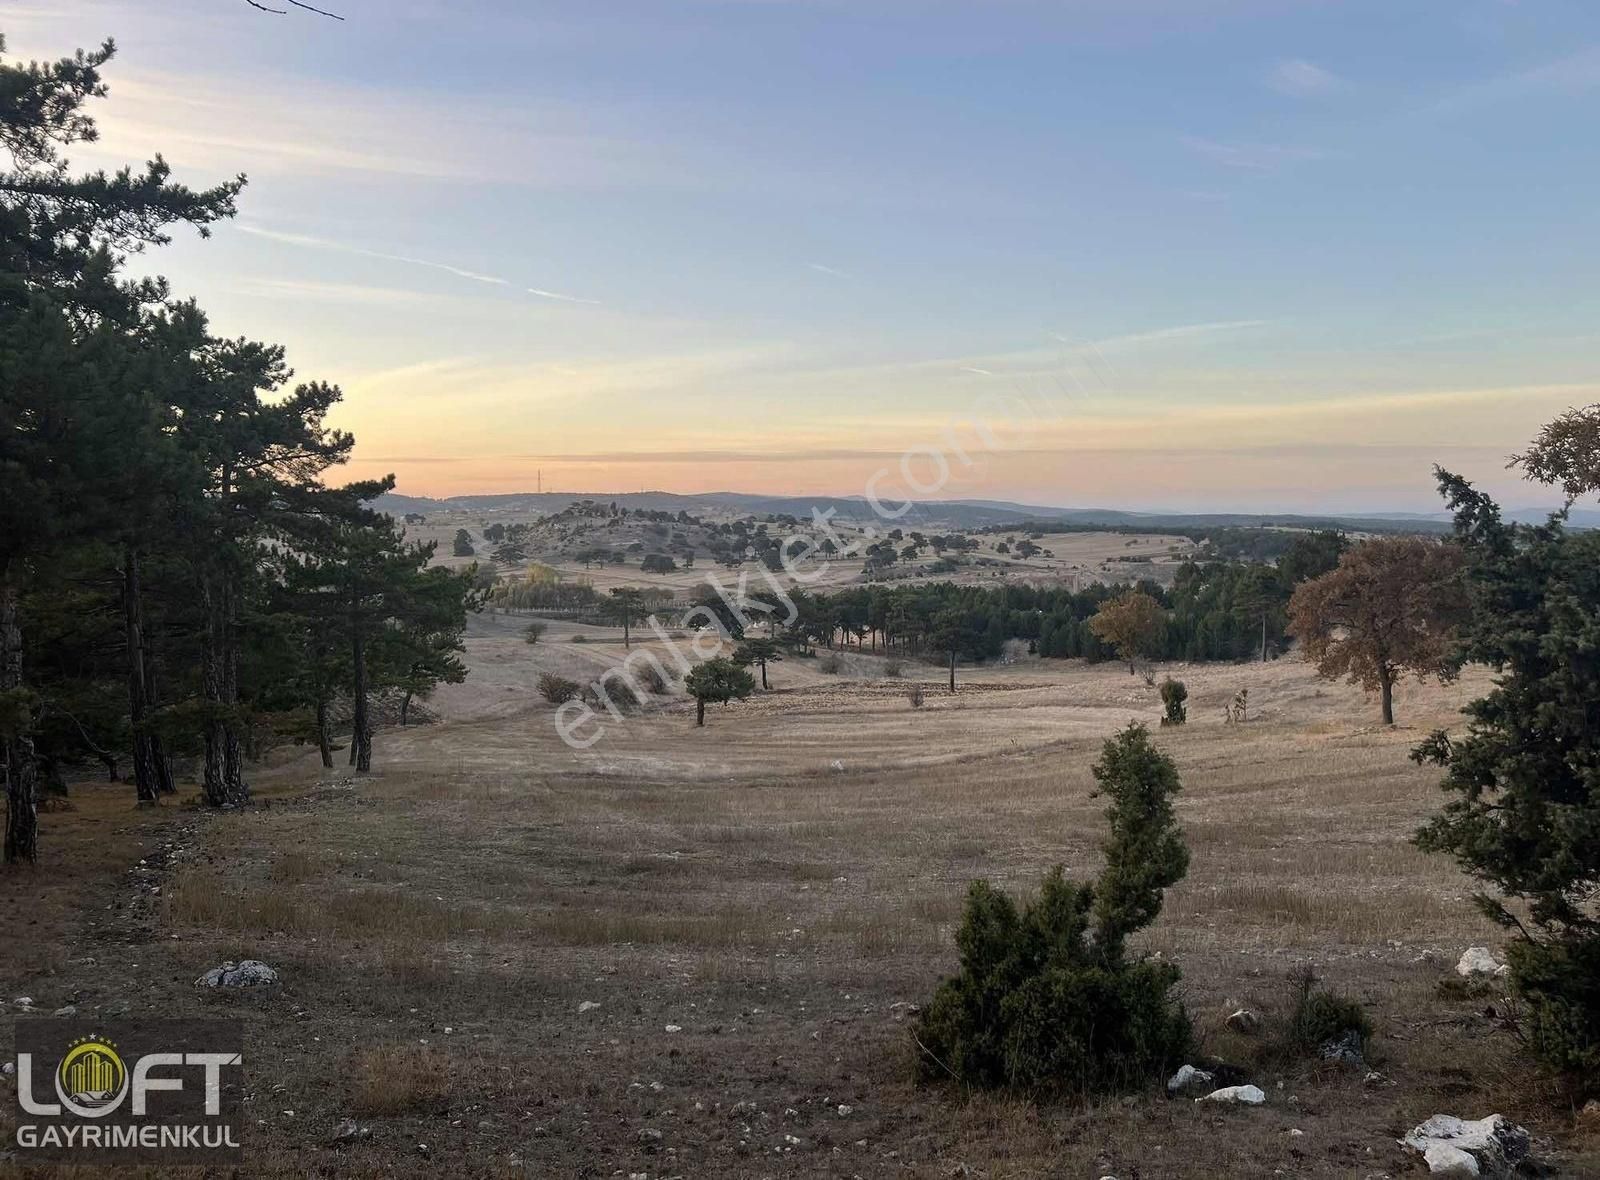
x=1249 y=1095
x=1244 y=1021
x=1495 y=1144
x=1187 y=1078
x=249 y=973
x=1477 y=961
x=1444 y=1160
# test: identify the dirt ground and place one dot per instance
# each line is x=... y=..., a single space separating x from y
x=693 y=952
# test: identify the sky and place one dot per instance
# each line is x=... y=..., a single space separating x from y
x=1185 y=254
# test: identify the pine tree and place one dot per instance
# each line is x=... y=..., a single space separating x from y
x=1524 y=816
x=62 y=238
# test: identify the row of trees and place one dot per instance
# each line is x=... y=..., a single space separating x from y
x=1215 y=611
x=176 y=578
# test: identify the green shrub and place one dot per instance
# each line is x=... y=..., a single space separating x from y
x=1321 y=1017
x=580 y=637
x=1046 y=998
x=1173 y=694
x=532 y=632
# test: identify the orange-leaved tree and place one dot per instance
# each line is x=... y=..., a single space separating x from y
x=1391 y=606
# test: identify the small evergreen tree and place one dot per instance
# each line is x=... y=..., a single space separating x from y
x=1173 y=694
x=760 y=652
x=1525 y=779
x=463 y=544
x=1047 y=998
x=719 y=680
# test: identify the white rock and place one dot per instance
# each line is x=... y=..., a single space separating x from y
x=1444 y=1160
x=844 y=1110
x=674 y=1028
x=248 y=973
x=1476 y=960
x=1495 y=1144
x=1244 y=1021
x=1187 y=1076
x=1249 y=1095
x=588 y=1006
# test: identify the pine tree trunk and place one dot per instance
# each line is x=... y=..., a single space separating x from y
x=158 y=751
x=952 y=669
x=145 y=774
x=1386 y=687
x=21 y=773
x=360 y=726
x=699 y=711
x=323 y=745
x=224 y=769
x=764 y=674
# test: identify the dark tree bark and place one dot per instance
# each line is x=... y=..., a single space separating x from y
x=146 y=776
x=952 y=669
x=361 y=726
x=224 y=769
x=699 y=711
x=20 y=769
x=324 y=747
x=1386 y=689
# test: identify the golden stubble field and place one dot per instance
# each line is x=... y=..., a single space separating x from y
x=692 y=952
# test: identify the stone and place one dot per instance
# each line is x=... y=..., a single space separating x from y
x=1248 y=1095
x=1476 y=961
x=674 y=1028
x=347 y=1131
x=1244 y=1021
x=1589 y=1117
x=587 y=1006
x=1495 y=1144
x=66 y=1010
x=1444 y=1160
x=247 y=973
x=1347 y=1050
x=1188 y=1078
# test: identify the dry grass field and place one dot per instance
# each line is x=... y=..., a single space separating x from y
x=693 y=952
x=1075 y=559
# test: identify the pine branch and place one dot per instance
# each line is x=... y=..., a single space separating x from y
x=256 y=4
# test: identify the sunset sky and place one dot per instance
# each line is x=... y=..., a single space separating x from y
x=1187 y=254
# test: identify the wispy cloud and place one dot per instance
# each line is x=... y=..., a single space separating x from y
x=1300 y=78
x=311 y=289
x=1572 y=74
x=315 y=243
x=827 y=270
x=1176 y=332
x=560 y=297
x=1254 y=157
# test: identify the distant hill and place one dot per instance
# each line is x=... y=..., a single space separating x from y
x=946 y=513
